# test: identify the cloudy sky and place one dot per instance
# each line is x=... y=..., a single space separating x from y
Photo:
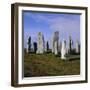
x=47 y=23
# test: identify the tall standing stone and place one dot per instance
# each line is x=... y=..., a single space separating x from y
x=52 y=45
x=40 y=44
x=56 y=48
x=35 y=47
x=28 y=45
x=63 y=50
x=46 y=46
x=59 y=47
x=77 y=47
x=55 y=40
x=70 y=47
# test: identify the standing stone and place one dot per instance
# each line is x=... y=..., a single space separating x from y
x=59 y=47
x=53 y=43
x=70 y=45
x=77 y=47
x=52 y=46
x=56 y=48
x=55 y=40
x=28 y=45
x=35 y=47
x=40 y=44
x=63 y=50
x=47 y=45
x=67 y=49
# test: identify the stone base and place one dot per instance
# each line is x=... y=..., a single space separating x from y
x=63 y=57
x=39 y=52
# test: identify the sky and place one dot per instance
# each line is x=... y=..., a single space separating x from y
x=48 y=23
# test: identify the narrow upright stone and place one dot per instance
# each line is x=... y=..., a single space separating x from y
x=70 y=47
x=59 y=47
x=28 y=45
x=35 y=47
x=55 y=40
x=52 y=43
x=63 y=50
x=77 y=47
x=40 y=44
x=56 y=48
x=46 y=46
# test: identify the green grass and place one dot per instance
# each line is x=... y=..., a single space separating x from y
x=50 y=65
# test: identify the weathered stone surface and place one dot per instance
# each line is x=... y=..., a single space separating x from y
x=35 y=47
x=56 y=48
x=28 y=45
x=55 y=41
x=46 y=46
x=70 y=47
x=40 y=44
x=59 y=47
x=77 y=47
x=63 y=50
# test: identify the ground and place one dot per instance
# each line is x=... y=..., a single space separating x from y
x=50 y=65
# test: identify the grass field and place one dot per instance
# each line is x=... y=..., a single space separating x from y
x=50 y=65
